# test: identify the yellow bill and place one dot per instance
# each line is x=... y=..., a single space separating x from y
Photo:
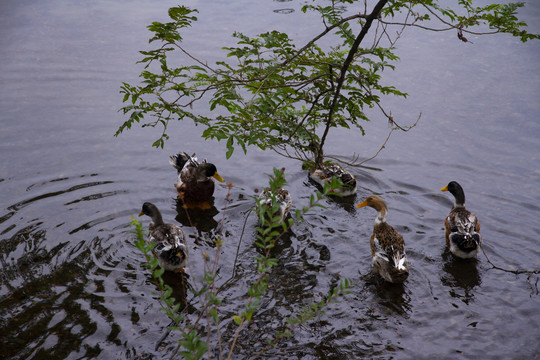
x=362 y=204
x=218 y=177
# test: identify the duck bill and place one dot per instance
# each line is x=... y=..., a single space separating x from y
x=141 y=213
x=218 y=177
x=445 y=188
x=362 y=204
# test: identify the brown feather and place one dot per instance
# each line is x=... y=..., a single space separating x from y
x=387 y=245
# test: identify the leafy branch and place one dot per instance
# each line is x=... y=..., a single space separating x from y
x=269 y=232
x=273 y=95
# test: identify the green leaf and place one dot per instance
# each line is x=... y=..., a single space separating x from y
x=230 y=147
x=237 y=319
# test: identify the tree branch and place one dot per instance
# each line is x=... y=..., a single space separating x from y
x=369 y=20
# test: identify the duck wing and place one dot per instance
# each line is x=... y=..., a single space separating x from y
x=388 y=253
x=464 y=229
x=170 y=248
x=180 y=160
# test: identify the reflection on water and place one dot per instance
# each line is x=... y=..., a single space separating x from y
x=179 y=283
x=461 y=276
x=393 y=297
x=203 y=220
x=46 y=311
x=73 y=284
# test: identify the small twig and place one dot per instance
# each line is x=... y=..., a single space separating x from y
x=354 y=162
x=236 y=256
x=531 y=285
x=162 y=339
x=517 y=272
x=240 y=242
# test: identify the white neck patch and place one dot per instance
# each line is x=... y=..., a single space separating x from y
x=380 y=218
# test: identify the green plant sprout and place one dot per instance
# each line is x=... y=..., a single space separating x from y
x=195 y=339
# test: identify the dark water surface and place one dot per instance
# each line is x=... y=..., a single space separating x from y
x=72 y=284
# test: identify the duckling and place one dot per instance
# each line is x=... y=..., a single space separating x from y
x=194 y=183
x=462 y=229
x=387 y=245
x=327 y=172
x=170 y=248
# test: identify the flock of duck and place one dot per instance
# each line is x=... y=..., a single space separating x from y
x=195 y=187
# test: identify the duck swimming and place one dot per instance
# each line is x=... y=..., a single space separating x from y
x=387 y=245
x=194 y=183
x=169 y=239
x=462 y=229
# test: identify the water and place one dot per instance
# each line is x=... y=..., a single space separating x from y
x=72 y=284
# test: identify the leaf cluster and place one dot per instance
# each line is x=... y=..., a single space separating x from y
x=268 y=93
x=274 y=95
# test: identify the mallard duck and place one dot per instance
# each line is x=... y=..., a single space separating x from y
x=327 y=172
x=170 y=248
x=194 y=184
x=387 y=245
x=283 y=200
x=462 y=227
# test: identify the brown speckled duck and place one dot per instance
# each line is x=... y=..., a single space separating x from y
x=194 y=184
x=387 y=245
x=462 y=229
x=169 y=239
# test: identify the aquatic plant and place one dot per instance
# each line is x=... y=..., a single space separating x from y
x=197 y=337
x=273 y=94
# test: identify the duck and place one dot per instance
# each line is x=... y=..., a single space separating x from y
x=324 y=174
x=387 y=245
x=462 y=229
x=283 y=203
x=194 y=184
x=169 y=239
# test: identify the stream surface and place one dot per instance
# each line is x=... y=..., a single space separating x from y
x=73 y=284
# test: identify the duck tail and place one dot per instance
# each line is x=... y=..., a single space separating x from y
x=175 y=256
x=400 y=261
x=399 y=272
x=466 y=242
x=348 y=180
x=179 y=160
x=470 y=241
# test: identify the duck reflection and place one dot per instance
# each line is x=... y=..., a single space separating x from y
x=202 y=220
x=179 y=283
x=280 y=246
x=347 y=203
x=393 y=297
x=461 y=275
